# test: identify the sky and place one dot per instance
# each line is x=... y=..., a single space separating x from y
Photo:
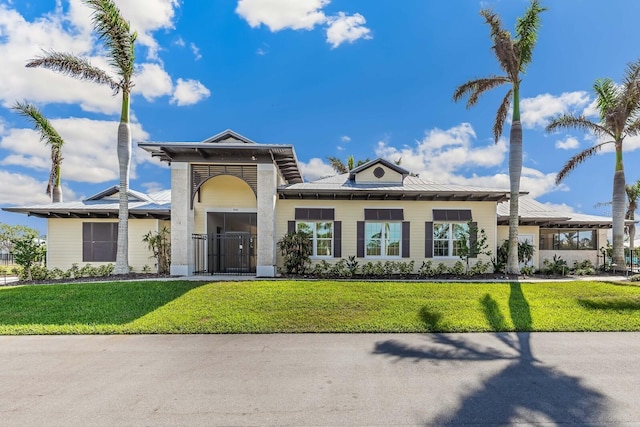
x=331 y=77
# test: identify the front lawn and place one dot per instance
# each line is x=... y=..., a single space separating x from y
x=317 y=306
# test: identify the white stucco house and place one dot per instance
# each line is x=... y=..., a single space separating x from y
x=232 y=199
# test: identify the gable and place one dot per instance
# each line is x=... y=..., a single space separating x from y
x=378 y=173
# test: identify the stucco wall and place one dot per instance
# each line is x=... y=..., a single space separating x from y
x=416 y=212
x=223 y=192
x=64 y=242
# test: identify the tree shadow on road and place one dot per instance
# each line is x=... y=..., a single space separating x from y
x=526 y=391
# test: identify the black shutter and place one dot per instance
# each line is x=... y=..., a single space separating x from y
x=428 y=239
x=337 y=239
x=291 y=226
x=473 y=238
x=360 y=237
x=405 y=239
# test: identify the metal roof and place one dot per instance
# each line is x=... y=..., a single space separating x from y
x=155 y=205
x=412 y=188
x=533 y=212
x=229 y=147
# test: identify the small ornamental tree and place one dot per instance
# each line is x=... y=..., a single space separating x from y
x=472 y=242
x=160 y=244
x=28 y=249
x=296 y=247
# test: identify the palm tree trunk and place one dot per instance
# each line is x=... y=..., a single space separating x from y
x=618 y=208
x=515 y=171
x=124 y=162
x=56 y=194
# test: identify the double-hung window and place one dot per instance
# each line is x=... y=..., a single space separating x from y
x=321 y=233
x=446 y=238
x=382 y=239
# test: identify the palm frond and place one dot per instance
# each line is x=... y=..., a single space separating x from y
x=502 y=44
x=337 y=165
x=501 y=115
x=48 y=134
x=633 y=129
x=633 y=194
x=73 y=66
x=527 y=33
x=578 y=159
x=607 y=98
x=569 y=121
x=116 y=34
x=631 y=90
x=475 y=88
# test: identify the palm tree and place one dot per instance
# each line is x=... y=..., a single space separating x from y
x=340 y=167
x=50 y=136
x=119 y=41
x=514 y=55
x=619 y=108
x=633 y=194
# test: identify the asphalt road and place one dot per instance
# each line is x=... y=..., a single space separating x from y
x=321 y=379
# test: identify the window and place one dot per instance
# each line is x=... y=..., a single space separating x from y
x=99 y=241
x=321 y=233
x=382 y=239
x=568 y=240
x=446 y=237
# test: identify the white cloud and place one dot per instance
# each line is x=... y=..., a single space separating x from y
x=152 y=187
x=316 y=169
x=71 y=32
x=89 y=153
x=152 y=81
x=196 y=51
x=592 y=109
x=279 y=15
x=345 y=138
x=25 y=190
x=343 y=28
x=536 y=112
x=189 y=92
x=282 y=14
x=568 y=143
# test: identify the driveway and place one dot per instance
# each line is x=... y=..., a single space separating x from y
x=321 y=379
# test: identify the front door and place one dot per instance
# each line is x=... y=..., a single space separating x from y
x=232 y=246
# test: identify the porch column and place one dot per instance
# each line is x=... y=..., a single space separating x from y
x=181 y=221
x=267 y=194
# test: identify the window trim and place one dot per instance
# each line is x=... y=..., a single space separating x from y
x=451 y=240
x=383 y=246
x=314 y=238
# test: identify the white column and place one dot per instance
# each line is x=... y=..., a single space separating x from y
x=181 y=221
x=267 y=194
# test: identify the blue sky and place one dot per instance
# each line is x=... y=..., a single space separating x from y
x=333 y=78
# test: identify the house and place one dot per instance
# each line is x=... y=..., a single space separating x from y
x=232 y=199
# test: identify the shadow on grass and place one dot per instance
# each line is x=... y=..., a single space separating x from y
x=611 y=303
x=87 y=303
x=526 y=391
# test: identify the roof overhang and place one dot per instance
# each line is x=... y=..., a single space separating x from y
x=361 y=194
x=284 y=156
x=162 y=214
x=558 y=222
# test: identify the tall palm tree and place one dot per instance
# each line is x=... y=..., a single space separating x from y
x=514 y=54
x=50 y=136
x=633 y=195
x=619 y=108
x=119 y=41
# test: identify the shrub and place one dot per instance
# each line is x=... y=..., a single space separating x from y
x=296 y=247
x=339 y=269
x=160 y=245
x=426 y=269
x=555 y=266
x=479 y=268
x=321 y=269
x=406 y=268
x=441 y=269
x=528 y=270
x=352 y=266
x=457 y=269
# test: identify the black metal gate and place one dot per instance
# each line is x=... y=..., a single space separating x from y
x=226 y=253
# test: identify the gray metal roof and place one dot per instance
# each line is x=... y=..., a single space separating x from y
x=229 y=147
x=412 y=188
x=533 y=212
x=104 y=205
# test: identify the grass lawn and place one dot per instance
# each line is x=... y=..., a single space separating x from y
x=317 y=306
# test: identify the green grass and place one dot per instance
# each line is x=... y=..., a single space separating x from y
x=317 y=306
